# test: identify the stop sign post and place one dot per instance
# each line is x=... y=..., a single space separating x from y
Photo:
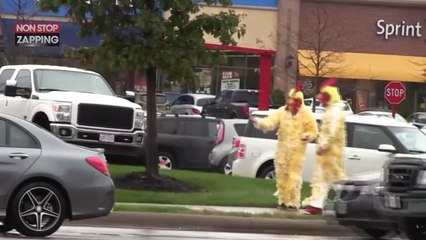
x=395 y=93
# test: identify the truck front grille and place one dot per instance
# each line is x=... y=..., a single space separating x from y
x=401 y=178
x=104 y=116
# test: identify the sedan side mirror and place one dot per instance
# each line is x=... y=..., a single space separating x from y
x=387 y=148
x=10 y=89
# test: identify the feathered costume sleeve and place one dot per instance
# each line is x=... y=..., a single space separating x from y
x=271 y=122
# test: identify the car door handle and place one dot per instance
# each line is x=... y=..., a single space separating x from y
x=354 y=157
x=20 y=156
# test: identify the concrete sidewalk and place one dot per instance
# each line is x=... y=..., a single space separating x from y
x=199 y=222
x=196 y=222
x=226 y=209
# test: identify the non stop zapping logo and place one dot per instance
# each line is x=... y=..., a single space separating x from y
x=37 y=34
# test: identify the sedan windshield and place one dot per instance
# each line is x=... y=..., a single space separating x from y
x=47 y=80
x=412 y=138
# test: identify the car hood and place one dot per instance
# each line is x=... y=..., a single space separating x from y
x=367 y=176
x=77 y=97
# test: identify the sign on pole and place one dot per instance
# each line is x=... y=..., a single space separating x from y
x=395 y=94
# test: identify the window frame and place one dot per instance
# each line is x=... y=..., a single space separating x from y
x=9 y=123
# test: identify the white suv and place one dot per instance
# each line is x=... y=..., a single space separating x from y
x=371 y=141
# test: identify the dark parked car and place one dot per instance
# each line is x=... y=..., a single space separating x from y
x=418 y=119
x=234 y=104
x=185 y=141
x=353 y=207
x=44 y=180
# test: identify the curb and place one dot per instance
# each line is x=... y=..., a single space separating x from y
x=216 y=224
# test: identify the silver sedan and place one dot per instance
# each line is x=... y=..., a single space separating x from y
x=44 y=180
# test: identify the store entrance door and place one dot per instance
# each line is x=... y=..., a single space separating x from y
x=420 y=102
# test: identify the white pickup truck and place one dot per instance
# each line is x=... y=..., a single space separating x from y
x=76 y=105
x=371 y=140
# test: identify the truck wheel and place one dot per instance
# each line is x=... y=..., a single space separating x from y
x=41 y=120
x=268 y=172
x=375 y=233
x=415 y=228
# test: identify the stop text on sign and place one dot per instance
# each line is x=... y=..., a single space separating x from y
x=36 y=34
x=391 y=92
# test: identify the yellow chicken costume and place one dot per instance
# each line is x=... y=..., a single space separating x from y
x=296 y=126
x=330 y=148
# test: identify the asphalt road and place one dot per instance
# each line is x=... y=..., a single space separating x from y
x=101 y=233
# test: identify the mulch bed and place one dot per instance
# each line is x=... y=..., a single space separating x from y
x=161 y=183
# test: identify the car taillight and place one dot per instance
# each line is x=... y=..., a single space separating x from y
x=220 y=133
x=99 y=164
x=235 y=142
x=241 y=151
x=246 y=111
x=195 y=111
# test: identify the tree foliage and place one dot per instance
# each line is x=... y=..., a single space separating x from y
x=145 y=35
x=168 y=37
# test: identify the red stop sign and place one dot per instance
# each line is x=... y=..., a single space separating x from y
x=395 y=93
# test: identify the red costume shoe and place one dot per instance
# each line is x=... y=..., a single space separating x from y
x=312 y=211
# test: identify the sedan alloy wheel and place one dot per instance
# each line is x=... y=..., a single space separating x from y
x=38 y=209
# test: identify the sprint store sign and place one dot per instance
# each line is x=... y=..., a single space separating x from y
x=402 y=29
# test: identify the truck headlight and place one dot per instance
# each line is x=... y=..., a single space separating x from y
x=421 y=178
x=62 y=111
x=139 y=117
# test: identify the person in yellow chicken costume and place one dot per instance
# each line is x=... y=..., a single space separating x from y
x=296 y=126
x=330 y=148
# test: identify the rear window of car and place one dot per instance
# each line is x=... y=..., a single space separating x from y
x=198 y=127
x=204 y=101
x=253 y=132
x=239 y=128
x=167 y=125
x=250 y=97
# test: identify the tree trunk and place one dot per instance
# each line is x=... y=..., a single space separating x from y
x=151 y=139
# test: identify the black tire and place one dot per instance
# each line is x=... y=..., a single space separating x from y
x=233 y=116
x=34 y=199
x=375 y=233
x=268 y=171
x=6 y=227
x=171 y=160
x=223 y=167
x=415 y=228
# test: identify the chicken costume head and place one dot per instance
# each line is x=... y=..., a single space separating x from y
x=329 y=93
x=295 y=99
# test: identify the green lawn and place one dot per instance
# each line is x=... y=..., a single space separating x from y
x=220 y=190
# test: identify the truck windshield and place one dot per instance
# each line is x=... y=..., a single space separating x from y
x=47 y=80
x=412 y=138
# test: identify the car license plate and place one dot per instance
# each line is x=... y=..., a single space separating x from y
x=106 y=138
x=392 y=201
x=342 y=208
